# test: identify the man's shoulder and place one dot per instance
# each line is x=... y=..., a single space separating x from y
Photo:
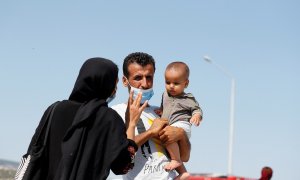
x=120 y=109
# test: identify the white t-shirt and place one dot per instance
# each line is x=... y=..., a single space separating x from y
x=151 y=157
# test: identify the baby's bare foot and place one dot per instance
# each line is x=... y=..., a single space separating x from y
x=172 y=165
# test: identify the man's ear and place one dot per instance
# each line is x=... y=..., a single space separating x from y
x=187 y=83
x=125 y=81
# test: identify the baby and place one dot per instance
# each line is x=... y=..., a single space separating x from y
x=181 y=109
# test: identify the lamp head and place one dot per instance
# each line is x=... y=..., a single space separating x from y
x=207 y=59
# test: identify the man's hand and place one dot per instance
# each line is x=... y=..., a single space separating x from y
x=157 y=126
x=152 y=132
x=171 y=134
x=158 y=111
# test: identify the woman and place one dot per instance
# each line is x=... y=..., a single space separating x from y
x=87 y=138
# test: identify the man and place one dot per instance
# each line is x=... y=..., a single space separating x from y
x=152 y=132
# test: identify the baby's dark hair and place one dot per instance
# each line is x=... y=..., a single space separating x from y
x=179 y=65
x=140 y=58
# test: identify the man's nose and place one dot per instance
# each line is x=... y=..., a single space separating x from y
x=145 y=84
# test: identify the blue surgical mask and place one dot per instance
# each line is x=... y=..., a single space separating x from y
x=109 y=99
x=146 y=93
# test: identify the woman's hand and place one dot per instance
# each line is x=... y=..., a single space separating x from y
x=134 y=108
x=133 y=113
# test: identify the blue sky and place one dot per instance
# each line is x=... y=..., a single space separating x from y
x=43 y=45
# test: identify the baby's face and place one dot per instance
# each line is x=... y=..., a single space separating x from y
x=175 y=81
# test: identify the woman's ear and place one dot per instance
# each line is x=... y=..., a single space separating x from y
x=125 y=81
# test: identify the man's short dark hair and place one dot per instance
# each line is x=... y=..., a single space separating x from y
x=139 y=58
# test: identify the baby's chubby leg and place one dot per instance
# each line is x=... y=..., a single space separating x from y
x=173 y=150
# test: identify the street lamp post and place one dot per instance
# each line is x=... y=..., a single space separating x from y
x=231 y=114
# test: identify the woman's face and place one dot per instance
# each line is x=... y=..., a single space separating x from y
x=116 y=88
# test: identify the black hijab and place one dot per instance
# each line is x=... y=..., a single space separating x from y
x=95 y=83
x=97 y=134
x=96 y=79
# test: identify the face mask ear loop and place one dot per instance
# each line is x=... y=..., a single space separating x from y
x=131 y=87
x=128 y=84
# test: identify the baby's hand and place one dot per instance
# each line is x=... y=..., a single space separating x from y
x=158 y=111
x=196 y=119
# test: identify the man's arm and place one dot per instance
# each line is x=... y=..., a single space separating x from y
x=172 y=134
x=140 y=139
